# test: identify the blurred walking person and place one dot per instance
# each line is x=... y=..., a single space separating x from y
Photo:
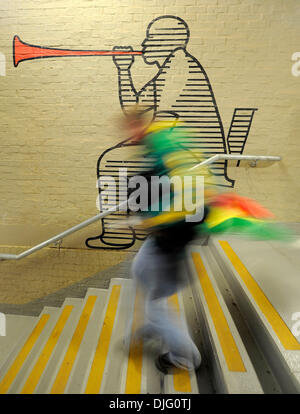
x=157 y=266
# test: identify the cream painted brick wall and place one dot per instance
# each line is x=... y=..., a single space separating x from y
x=58 y=115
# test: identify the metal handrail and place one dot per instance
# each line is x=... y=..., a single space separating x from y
x=60 y=236
x=237 y=157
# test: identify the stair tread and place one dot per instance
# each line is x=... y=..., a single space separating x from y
x=17 y=327
x=49 y=373
x=85 y=352
x=17 y=364
x=266 y=299
x=234 y=372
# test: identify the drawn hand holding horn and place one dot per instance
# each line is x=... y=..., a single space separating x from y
x=123 y=61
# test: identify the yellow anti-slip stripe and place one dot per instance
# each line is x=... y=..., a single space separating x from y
x=97 y=369
x=181 y=378
x=282 y=331
x=21 y=357
x=135 y=358
x=44 y=357
x=230 y=350
x=68 y=362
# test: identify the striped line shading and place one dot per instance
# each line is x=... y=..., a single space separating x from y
x=68 y=362
x=282 y=331
x=97 y=369
x=23 y=354
x=229 y=348
x=44 y=357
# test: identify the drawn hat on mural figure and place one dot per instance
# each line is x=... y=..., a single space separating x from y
x=164 y=35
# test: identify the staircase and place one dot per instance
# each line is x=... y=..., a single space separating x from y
x=86 y=346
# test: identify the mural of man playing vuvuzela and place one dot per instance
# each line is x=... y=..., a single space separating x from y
x=179 y=90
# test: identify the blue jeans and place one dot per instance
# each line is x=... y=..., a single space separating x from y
x=158 y=275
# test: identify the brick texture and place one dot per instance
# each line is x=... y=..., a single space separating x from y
x=58 y=115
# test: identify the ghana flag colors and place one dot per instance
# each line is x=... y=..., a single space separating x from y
x=231 y=213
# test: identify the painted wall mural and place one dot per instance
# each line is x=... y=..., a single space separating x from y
x=2 y=64
x=180 y=89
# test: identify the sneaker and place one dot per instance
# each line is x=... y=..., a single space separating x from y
x=163 y=364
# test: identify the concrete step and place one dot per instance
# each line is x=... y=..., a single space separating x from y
x=104 y=372
x=78 y=372
x=16 y=366
x=56 y=374
x=265 y=280
x=142 y=375
x=49 y=373
x=181 y=381
x=263 y=370
x=117 y=378
x=41 y=371
x=232 y=369
x=203 y=374
x=81 y=348
x=16 y=328
x=138 y=374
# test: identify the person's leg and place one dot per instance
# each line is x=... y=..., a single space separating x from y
x=182 y=352
x=141 y=281
x=157 y=275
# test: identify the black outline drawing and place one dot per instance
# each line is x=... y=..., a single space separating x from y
x=237 y=134
x=195 y=105
x=166 y=39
